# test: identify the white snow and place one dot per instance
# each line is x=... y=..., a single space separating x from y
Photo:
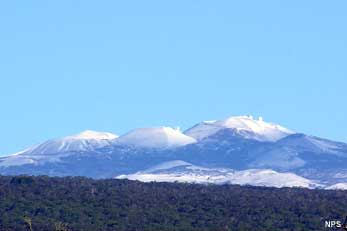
x=267 y=177
x=338 y=186
x=258 y=128
x=180 y=171
x=158 y=137
x=54 y=150
x=84 y=141
x=93 y=135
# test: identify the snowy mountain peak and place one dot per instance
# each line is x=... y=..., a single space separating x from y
x=250 y=124
x=157 y=137
x=245 y=125
x=84 y=141
x=93 y=135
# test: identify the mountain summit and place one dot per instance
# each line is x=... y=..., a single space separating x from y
x=158 y=137
x=84 y=141
x=246 y=126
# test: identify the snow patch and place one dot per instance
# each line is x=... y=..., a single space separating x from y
x=93 y=135
x=180 y=171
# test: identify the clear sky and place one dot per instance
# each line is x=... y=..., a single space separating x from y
x=68 y=66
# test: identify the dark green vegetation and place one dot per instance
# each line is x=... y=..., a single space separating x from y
x=84 y=204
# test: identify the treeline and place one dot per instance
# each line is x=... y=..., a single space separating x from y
x=76 y=203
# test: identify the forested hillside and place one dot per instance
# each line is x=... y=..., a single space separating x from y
x=44 y=203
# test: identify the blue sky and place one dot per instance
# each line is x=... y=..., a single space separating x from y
x=68 y=66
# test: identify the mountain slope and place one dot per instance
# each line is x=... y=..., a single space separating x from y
x=314 y=144
x=181 y=171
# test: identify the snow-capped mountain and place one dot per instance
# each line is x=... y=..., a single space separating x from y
x=84 y=141
x=53 y=150
x=241 y=146
x=246 y=126
x=181 y=171
x=158 y=137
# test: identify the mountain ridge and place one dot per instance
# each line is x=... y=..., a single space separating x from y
x=262 y=146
